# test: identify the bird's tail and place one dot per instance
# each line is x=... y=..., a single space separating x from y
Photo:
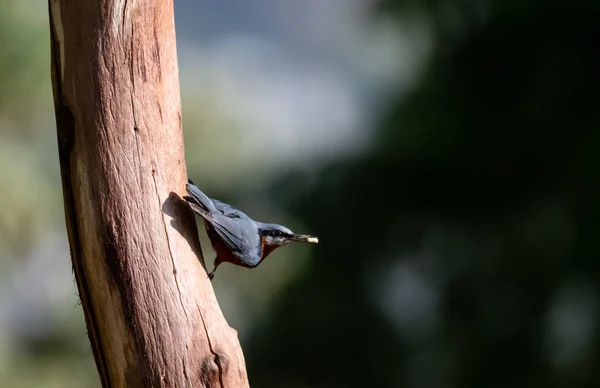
x=198 y=197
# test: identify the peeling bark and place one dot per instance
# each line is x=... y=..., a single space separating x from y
x=152 y=316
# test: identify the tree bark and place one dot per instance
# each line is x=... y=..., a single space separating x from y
x=152 y=317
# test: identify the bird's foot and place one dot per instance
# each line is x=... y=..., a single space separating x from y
x=212 y=274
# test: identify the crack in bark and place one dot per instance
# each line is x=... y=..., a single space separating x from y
x=210 y=347
x=185 y=371
x=137 y=149
x=164 y=224
x=124 y=16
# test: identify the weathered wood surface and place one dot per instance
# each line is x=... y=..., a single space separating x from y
x=152 y=317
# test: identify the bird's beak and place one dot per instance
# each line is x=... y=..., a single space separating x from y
x=304 y=238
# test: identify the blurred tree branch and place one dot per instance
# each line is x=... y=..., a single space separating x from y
x=152 y=317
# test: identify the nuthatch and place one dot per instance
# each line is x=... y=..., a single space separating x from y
x=235 y=237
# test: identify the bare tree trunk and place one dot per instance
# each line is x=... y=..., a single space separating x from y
x=152 y=317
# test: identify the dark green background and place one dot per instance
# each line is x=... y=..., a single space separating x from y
x=495 y=153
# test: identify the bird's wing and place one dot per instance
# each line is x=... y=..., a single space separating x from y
x=227 y=210
x=239 y=234
x=226 y=227
x=198 y=197
x=228 y=234
x=198 y=209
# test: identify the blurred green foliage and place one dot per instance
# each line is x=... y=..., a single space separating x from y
x=480 y=187
x=23 y=66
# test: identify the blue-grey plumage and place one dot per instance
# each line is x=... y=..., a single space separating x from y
x=235 y=237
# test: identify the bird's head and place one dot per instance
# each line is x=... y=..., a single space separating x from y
x=277 y=235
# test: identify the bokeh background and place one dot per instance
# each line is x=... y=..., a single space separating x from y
x=444 y=151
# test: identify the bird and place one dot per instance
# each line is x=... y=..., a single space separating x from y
x=235 y=237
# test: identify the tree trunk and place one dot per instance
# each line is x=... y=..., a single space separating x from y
x=152 y=317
